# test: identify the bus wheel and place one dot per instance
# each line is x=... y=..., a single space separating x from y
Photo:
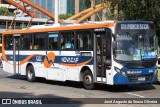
x=30 y=74
x=88 y=80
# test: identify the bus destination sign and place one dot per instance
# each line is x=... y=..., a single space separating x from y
x=135 y=26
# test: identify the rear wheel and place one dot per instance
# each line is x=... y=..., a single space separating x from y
x=88 y=80
x=30 y=74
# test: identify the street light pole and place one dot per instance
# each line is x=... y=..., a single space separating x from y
x=56 y=12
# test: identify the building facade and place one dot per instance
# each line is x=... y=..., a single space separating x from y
x=65 y=7
x=4 y=4
x=49 y=6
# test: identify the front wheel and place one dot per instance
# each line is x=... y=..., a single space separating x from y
x=88 y=80
x=30 y=74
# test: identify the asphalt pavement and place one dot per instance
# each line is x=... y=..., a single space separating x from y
x=15 y=86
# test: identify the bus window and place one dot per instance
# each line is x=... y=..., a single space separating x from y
x=39 y=41
x=67 y=40
x=53 y=41
x=83 y=40
x=26 y=42
x=8 y=42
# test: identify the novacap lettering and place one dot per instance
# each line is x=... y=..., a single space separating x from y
x=70 y=59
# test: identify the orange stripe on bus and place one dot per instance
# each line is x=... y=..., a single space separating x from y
x=51 y=57
x=61 y=28
x=28 y=58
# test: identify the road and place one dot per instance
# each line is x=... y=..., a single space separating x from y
x=18 y=87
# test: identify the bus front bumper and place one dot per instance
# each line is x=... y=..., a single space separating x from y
x=122 y=80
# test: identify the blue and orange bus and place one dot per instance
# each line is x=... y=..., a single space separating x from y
x=115 y=53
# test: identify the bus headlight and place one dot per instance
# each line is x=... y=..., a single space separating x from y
x=123 y=73
x=120 y=71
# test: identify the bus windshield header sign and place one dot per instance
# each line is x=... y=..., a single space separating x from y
x=134 y=26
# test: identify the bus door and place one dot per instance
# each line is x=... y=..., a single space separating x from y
x=102 y=50
x=16 y=46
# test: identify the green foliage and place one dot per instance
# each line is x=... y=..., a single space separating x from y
x=87 y=3
x=64 y=16
x=3 y=11
x=137 y=10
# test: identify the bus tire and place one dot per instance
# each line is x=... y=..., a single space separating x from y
x=30 y=74
x=88 y=80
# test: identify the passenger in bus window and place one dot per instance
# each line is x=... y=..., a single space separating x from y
x=72 y=42
x=77 y=43
x=68 y=45
x=62 y=42
x=62 y=47
x=36 y=46
x=53 y=45
x=30 y=47
x=10 y=46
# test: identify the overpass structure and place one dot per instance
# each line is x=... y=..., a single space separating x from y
x=80 y=17
x=29 y=12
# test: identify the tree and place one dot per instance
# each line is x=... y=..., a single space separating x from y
x=92 y=3
x=137 y=10
x=87 y=3
x=3 y=11
x=64 y=16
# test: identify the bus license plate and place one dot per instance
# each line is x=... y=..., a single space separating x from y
x=141 y=79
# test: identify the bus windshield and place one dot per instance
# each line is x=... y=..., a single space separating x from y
x=131 y=46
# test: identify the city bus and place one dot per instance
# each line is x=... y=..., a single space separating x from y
x=113 y=53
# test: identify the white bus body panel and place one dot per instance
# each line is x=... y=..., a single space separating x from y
x=111 y=73
x=56 y=71
x=8 y=66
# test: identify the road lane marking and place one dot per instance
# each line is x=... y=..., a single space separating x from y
x=136 y=95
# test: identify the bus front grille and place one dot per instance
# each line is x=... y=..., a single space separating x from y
x=142 y=78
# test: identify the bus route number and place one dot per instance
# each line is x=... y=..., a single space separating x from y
x=38 y=58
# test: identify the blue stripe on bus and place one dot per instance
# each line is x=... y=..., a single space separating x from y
x=58 y=59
